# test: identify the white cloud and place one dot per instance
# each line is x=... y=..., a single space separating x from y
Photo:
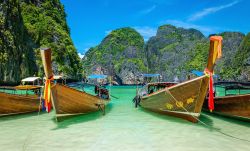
x=204 y=29
x=148 y=10
x=80 y=55
x=146 y=31
x=210 y=10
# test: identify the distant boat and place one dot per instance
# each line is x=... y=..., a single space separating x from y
x=20 y=99
x=183 y=100
x=68 y=101
x=232 y=105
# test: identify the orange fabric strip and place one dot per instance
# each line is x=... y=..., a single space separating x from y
x=219 y=39
x=47 y=93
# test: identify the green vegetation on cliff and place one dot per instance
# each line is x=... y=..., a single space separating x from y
x=241 y=62
x=27 y=25
x=173 y=52
x=120 y=54
x=199 y=55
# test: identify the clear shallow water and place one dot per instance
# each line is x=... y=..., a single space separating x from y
x=122 y=128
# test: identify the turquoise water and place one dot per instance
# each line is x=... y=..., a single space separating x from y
x=122 y=128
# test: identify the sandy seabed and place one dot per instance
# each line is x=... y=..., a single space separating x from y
x=123 y=128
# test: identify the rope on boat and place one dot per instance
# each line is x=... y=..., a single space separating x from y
x=213 y=128
x=137 y=101
x=101 y=109
x=177 y=102
x=114 y=96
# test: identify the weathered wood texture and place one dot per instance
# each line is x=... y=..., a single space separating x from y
x=70 y=101
x=183 y=100
x=46 y=59
x=16 y=104
x=236 y=106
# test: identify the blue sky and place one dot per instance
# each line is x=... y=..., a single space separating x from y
x=91 y=20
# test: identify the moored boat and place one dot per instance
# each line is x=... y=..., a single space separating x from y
x=235 y=105
x=184 y=100
x=68 y=101
x=20 y=99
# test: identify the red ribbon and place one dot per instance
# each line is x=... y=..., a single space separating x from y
x=211 y=95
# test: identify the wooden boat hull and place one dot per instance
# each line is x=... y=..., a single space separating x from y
x=182 y=100
x=185 y=100
x=68 y=101
x=235 y=106
x=18 y=104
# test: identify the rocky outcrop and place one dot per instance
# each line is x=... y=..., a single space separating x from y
x=171 y=49
x=240 y=68
x=173 y=53
x=231 y=44
x=17 y=57
x=27 y=25
x=120 y=54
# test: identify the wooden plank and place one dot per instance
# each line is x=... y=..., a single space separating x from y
x=18 y=104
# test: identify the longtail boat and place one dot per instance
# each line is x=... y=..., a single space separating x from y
x=184 y=100
x=67 y=101
x=19 y=99
x=232 y=105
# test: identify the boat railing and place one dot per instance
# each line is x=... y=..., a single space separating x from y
x=143 y=91
x=236 y=88
x=15 y=91
x=154 y=87
x=103 y=93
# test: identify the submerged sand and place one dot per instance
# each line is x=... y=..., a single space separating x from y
x=122 y=128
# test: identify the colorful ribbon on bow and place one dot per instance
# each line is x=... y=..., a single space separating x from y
x=211 y=94
x=210 y=73
x=47 y=94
